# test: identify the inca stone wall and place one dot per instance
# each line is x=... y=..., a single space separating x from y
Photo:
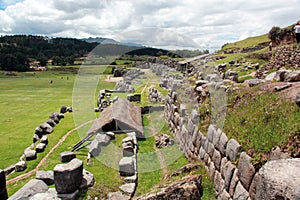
x=225 y=161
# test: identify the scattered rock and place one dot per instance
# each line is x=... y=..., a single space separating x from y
x=46 y=176
x=67 y=156
x=126 y=166
x=87 y=179
x=117 y=196
x=30 y=154
x=40 y=147
x=279 y=179
x=31 y=188
x=253 y=82
x=163 y=140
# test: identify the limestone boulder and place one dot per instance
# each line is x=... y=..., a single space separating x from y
x=30 y=154
x=40 y=147
x=31 y=188
x=279 y=179
x=232 y=149
x=20 y=166
x=87 y=179
x=47 y=129
x=44 y=140
x=46 y=176
x=67 y=156
x=126 y=166
x=68 y=177
x=246 y=170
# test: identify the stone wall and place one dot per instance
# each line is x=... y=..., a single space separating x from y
x=226 y=163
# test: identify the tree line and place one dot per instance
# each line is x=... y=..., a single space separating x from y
x=18 y=50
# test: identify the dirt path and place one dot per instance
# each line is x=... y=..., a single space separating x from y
x=26 y=175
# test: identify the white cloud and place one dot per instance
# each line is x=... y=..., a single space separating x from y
x=209 y=23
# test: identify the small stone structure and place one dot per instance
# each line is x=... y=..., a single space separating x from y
x=67 y=156
x=68 y=177
x=31 y=188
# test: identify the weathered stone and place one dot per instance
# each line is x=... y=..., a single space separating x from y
x=292 y=76
x=216 y=137
x=128 y=188
x=211 y=133
x=211 y=149
x=46 y=176
x=206 y=159
x=223 y=163
x=63 y=109
x=20 y=166
x=68 y=177
x=246 y=170
x=253 y=82
x=233 y=183
x=229 y=169
x=126 y=166
x=131 y=179
x=47 y=129
x=201 y=153
x=45 y=196
x=127 y=149
x=69 y=196
x=211 y=169
x=31 y=188
x=297 y=100
x=232 y=149
x=67 y=156
x=30 y=154
x=252 y=189
x=44 y=140
x=279 y=179
x=87 y=179
x=224 y=195
x=9 y=169
x=3 y=191
x=95 y=148
x=117 y=196
x=221 y=146
x=111 y=135
x=217 y=179
x=40 y=147
x=240 y=193
x=51 y=122
x=103 y=139
x=35 y=138
x=217 y=159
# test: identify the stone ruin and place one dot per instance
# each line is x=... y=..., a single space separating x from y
x=67 y=178
x=155 y=96
x=128 y=164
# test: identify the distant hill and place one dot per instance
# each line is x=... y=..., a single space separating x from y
x=102 y=40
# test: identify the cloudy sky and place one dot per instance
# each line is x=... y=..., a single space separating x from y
x=203 y=24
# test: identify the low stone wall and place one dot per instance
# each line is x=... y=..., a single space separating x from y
x=226 y=163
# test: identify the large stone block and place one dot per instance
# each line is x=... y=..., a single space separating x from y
x=20 y=166
x=30 y=154
x=229 y=169
x=279 y=179
x=67 y=156
x=31 y=188
x=95 y=148
x=240 y=193
x=126 y=166
x=217 y=159
x=46 y=176
x=246 y=170
x=3 y=191
x=103 y=139
x=232 y=149
x=68 y=177
x=221 y=146
x=40 y=147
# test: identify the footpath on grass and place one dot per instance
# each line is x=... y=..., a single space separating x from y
x=28 y=174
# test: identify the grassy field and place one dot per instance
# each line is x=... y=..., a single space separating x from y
x=28 y=99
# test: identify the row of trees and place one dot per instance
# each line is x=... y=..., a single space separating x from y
x=17 y=51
